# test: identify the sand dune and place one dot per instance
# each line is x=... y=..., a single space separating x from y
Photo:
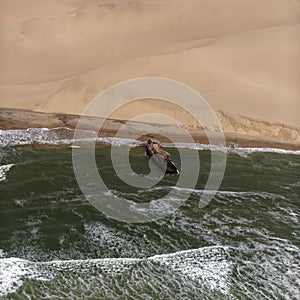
x=243 y=56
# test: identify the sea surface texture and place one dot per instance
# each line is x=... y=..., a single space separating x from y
x=55 y=245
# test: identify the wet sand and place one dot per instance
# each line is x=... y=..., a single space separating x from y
x=23 y=119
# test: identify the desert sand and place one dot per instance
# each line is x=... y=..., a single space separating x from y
x=243 y=56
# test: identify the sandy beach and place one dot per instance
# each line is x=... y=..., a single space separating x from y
x=11 y=119
x=242 y=56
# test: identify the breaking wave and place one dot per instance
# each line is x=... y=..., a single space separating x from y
x=207 y=267
x=55 y=136
x=64 y=136
x=3 y=171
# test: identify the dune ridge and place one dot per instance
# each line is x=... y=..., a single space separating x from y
x=243 y=125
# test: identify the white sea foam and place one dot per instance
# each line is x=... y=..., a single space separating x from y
x=57 y=136
x=3 y=171
x=119 y=141
x=2 y=253
x=14 y=270
x=241 y=151
x=245 y=151
x=209 y=266
x=53 y=136
x=63 y=135
x=242 y=194
x=11 y=271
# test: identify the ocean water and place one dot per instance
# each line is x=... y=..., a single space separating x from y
x=55 y=245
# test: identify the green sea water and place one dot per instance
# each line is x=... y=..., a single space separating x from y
x=56 y=245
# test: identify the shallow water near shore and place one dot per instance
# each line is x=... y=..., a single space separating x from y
x=55 y=244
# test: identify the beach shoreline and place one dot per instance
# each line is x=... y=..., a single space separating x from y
x=19 y=119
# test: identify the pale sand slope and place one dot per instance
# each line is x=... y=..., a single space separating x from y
x=243 y=56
